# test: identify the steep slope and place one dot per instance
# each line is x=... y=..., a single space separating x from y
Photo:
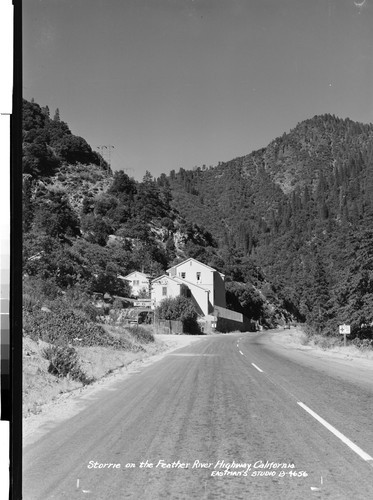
x=84 y=225
x=294 y=209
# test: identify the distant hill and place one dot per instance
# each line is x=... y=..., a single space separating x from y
x=298 y=209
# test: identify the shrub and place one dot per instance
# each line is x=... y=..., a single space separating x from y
x=363 y=344
x=117 y=304
x=326 y=342
x=180 y=309
x=64 y=325
x=64 y=362
x=75 y=298
x=141 y=334
x=30 y=301
x=41 y=290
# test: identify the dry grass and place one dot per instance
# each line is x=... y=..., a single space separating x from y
x=296 y=336
x=40 y=387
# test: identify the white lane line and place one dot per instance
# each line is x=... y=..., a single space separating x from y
x=257 y=367
x=241 y=352
x=339 y=435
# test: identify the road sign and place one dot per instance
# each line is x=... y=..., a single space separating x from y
x=344 y=329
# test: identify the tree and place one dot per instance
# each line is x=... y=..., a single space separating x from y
x=95 y=229
x=122 y=184
x=244 y=298
x=28 y=206
x=38 y=159
x=353 y=292
x=108 y=282
x=73 y=149
x=320 y=295
x=179 y=309
x=56 y=116
x=55 y=217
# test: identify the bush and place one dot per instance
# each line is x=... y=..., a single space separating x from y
x=141 y=334
x=40 y=290
x=180 y=309
x=30 y=302
x=76 y=299
x=64 y=325
x=363 y=344
x=64 y=362
x=327 y=342
x=117 y=304
x=37 y=292
x=177 y=309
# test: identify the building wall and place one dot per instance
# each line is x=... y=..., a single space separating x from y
x=219 y=290
x=221 y=312
x=200 y=298
x=138 y=282
x=164 y=288
x=197 y=273
x=190 y=270
x=206 y=285
x=174 y=288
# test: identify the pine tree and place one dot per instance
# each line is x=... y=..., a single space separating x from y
x=56 y=117
x=320 y=294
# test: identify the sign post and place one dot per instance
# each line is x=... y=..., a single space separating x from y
x=344 y=330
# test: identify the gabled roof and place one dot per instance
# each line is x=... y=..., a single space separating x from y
x=133 y=272
x=164 y=276
x=182 y=280
x=179 y=281
x=194 y=260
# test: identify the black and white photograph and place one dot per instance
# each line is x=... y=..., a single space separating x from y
x=197 y=249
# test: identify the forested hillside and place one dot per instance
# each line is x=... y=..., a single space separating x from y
x=290 y=225
x=82 y=224
x=301 y=210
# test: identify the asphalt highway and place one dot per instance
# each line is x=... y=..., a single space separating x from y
x=230 y=417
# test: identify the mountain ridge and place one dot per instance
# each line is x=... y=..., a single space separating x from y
x=282 y=222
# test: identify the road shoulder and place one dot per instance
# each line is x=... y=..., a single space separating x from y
x=293 y=339
x=68 y=404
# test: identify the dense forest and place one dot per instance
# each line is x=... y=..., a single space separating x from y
x=301 y=210
x=290 y=225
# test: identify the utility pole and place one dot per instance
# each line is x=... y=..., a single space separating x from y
x=105 y=152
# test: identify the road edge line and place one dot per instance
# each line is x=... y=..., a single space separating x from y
x=362 y=454
x=257 y=367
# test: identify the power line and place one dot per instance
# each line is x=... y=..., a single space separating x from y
x=130 y=171
x=105 y=152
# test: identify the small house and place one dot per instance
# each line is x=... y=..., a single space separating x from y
x=139 y=283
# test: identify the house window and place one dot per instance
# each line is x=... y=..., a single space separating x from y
x=164 y=291
x=136 y=282
x=198 y=276
x=183 y=276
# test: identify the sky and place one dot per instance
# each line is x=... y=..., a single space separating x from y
x=185 y=83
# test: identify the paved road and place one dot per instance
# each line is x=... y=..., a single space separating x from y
x=228 y=400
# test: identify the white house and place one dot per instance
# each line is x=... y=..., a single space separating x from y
x=202 y=283
x=138 y=281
